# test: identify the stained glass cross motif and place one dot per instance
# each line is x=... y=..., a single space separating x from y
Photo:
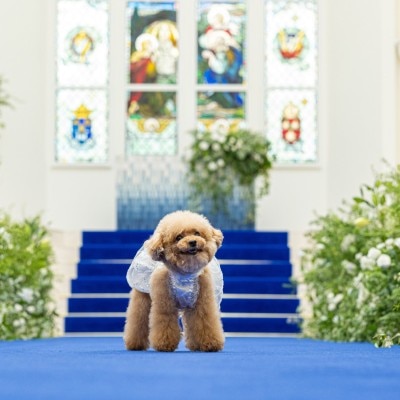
x=82 y=81
x=291 y=79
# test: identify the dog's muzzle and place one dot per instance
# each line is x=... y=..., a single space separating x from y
x=192 y=249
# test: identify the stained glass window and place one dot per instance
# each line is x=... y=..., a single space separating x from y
x=152 y=43
x=151 y=124
x=221 y=38
x=82 y=80
x=221 y=111
x=291 y=79
x=221 y=42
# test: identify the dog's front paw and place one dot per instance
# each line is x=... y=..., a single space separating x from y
x=208 y=345
x=166 y=340
x=136 y=344
x=165 y=344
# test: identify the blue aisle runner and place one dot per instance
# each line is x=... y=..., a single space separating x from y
x=247 y=369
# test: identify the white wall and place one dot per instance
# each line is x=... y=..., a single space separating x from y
x=22 y=146
x=357 y=113
x=362 y=98
x=357 y=120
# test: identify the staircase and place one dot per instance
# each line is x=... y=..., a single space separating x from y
x=258 y=298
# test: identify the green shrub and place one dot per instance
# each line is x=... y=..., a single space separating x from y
x=26 y=308
x=351 y=268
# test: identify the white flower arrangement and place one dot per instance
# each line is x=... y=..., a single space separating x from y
x=26 y=307
x=220 y=159
x=351 y=269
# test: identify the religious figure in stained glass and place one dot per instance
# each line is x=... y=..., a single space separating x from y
x=154 y=43
x=220 y=43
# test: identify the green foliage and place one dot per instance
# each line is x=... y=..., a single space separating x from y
x=220 y=161
x=26 y=308
x=351 y=268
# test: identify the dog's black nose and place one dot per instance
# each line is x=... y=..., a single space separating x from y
x=192 y=243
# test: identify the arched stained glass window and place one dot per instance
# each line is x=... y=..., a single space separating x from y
x=82 y=81
x=291 y=79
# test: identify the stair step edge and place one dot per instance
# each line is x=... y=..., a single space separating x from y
x=223 y=315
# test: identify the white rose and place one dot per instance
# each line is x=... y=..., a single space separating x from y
x=348 y=266
x=18 y=308
x=374 y=253
x=347 y=241
x=216 y=146
x=203 y=146
x=212 y=166
x=383 y=261
x=366 y=262
x=26 y=294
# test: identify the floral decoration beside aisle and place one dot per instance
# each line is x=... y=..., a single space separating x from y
x=351 y=268
x=222 y=160
x=26 y=307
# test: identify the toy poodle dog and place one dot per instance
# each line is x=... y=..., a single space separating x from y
x=176 y=273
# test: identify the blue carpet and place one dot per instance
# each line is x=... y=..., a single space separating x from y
x=248 y=368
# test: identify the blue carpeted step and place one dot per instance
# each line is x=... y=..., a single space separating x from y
x=273 y=268
x=253 y=285
x=260 y=325
x=116 y=324
x=106 y=256
x=126 y=237
x=237 y=252
x=113 y=305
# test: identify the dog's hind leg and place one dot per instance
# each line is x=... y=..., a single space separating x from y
x=202 y=324
x=136 y=332
x=164 y=327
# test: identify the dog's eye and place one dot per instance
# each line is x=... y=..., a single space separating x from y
x=197 y=233
x=178 y=238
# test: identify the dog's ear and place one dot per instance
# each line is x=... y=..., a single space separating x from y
x=154 y=247
x=218 y=237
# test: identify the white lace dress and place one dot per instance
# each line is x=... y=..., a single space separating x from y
x=184 y=287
